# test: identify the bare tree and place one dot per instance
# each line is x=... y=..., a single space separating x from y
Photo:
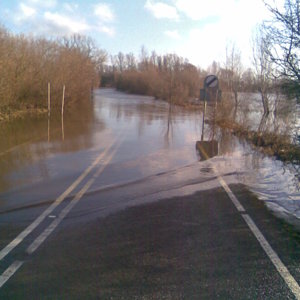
x=153 y=58
x=248 y=80
x=82 y=43
x=120 y=59
x=144 y=58
x=130 y=61
x=262 y=67
x=27 y=65
x=283 y=32
x=214 y=68
x=100 y=58
x=233 y=71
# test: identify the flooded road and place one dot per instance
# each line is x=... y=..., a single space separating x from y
x=80 y=216
x=156 y=159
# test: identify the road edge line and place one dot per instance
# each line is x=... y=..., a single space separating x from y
x=281 y=268
x=273 y=256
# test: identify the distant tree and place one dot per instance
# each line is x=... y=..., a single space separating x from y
x=168 y=77
x=130 y=61
x=262 y=67
x=120 y=59
x=282 y=33
x=100 y=58
x=233 y=70
x=84 y=44
x=144 y=58
x=248 y=80
x=153 y=58
x=214 y=68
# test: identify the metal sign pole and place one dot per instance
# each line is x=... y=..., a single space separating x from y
x=203 y=120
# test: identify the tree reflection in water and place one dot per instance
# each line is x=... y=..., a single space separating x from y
x=25 y=140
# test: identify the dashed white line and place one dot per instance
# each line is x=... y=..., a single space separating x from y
x=49 y=210
x=43 y=236
x=10 y=271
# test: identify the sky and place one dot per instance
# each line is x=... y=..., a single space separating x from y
x=196 y=30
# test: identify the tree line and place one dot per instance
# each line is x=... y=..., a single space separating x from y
x=28 y=64
x=167 y=77
x=275 y=65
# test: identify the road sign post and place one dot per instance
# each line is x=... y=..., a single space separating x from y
x=209 y=93
x=211 y=81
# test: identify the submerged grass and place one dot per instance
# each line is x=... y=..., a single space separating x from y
x=9 y=115
x=269 y=143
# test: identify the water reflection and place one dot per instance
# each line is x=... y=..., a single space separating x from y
x=30 y=141
x=274 y=182
x=165 y=137
x=282 y=118
x=159 y=141
x=210 y=148
x=207 y=149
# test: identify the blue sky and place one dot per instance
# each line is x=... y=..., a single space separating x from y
x=197 y=30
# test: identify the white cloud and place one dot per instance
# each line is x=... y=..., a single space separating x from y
x=70 y=7
x=64 y=24
x=162 y=10
x=110 y=31
x=105 y=16
x=46 y=17
x=27 y=11
x=208 y=42
x=24 y=13
x=104 y=12
x=198 y=10
x=43 y=3
x=172 y=34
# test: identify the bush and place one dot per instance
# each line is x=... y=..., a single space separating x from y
x=27 y=65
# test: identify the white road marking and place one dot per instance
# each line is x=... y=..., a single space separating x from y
x=281 y=268
x=43 y=236
x=49 y=210
x=10 y=271
x=231 y=195
x=225 y=186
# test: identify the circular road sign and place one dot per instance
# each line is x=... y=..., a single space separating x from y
x=211 y=81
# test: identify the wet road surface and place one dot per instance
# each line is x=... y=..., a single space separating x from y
x=88 y=211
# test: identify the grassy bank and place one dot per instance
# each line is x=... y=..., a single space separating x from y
x=270 y=143
x=10 y=115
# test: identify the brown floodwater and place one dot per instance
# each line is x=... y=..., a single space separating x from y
x=157 y=157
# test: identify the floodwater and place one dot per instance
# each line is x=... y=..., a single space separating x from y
x=156 y=158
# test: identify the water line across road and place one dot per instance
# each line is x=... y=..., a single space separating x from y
x=104 y=158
